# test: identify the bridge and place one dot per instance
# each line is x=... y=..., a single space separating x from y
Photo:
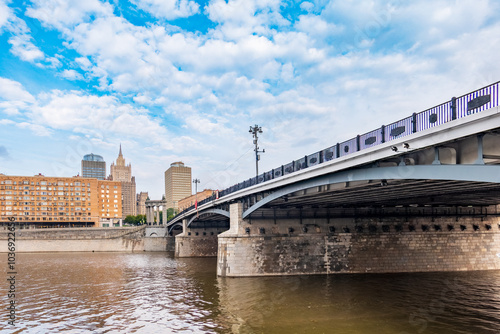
x=419 y=194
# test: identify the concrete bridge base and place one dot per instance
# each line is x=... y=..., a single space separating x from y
x=202 y=246
x=315 y=246
x=194 y=242
x=159 y=244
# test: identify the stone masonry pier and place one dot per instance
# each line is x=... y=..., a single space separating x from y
x=197 y=242
x=357 y=245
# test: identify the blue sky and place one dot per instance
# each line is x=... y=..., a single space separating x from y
x=183 y=80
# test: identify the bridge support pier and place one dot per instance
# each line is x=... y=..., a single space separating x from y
x=196 y=242
x=348 y=245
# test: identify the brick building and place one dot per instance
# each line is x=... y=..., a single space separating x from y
x=188 y=201
x=59 y=201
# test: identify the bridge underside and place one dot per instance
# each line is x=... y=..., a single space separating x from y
x=200 y=223
x=378 y=197
x=411 y=187
x=197 y=237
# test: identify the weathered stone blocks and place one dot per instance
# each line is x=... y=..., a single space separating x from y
x=389 y=250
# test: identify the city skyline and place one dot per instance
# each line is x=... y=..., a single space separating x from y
x=183 y=81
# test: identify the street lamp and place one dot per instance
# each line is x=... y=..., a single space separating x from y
x=196 y=181
x=255 y=130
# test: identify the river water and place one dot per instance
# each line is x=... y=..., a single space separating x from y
x=156 y=293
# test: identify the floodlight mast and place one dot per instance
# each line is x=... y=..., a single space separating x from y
x=255 y=130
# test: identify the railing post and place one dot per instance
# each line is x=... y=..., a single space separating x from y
x=382 y=130
x=358 y=146
x=306 y=164
x=453 y=107
x=337 y=149
x=414 y=122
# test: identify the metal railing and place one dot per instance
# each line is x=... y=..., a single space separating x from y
x=460 y=107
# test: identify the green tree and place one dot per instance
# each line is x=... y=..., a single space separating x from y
x=140 y=219
x=131 y=220
x=135 y=220
x=171 y=213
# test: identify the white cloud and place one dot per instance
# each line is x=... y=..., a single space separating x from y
x=169 y=9
x=203 y=125
x=22 y=42
x=84 y=63
x=5 y=12
x=96 y=116
x=13 y=97
x=23 y=48
x=316 y=27
x=52 y=62
x=13 y=90
x=37 y=129
x=71 y=75
x=7 y=122
x=62 y=14
x=242 y=18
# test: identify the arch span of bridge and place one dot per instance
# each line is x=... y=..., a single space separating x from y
x=454 y=173
x=208 y=212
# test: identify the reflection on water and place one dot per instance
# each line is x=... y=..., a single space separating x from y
x=155 y=293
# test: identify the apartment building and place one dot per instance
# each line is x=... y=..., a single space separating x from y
x=59 y=201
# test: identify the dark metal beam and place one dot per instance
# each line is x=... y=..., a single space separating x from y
x=454 y=173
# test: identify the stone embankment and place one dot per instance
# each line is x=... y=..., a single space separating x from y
x=116 y=239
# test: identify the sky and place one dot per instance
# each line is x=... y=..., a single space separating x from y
x=183 y=80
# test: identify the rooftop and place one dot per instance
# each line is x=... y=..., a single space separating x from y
x=92 y=157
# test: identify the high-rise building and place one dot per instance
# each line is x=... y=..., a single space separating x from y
x=63 y=201
x=123 y=173
x=141 y=202
x=94 y=166
x=177 y=184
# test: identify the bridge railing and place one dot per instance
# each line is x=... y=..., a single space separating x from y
x=477 y=101
x=460 y=107
x=437 y=115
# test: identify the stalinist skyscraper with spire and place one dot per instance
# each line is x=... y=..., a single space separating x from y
x=123 y=173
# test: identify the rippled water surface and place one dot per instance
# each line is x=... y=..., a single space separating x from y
x=155 y=293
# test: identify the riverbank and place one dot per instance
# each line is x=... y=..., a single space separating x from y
x=92 y=239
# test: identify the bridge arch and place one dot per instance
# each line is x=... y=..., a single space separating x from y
x=471 y=173
x=173 y=226
x=204 y=212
